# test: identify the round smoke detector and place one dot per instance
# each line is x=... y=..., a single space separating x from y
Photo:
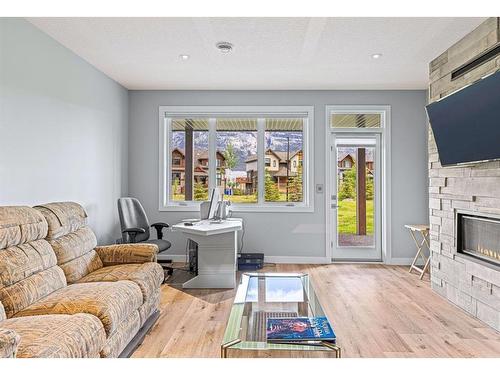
x=224 y=47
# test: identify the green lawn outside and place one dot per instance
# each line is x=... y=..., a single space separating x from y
x=347 y=217
x=236 y=198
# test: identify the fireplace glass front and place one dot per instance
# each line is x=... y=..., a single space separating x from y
x=479 y=236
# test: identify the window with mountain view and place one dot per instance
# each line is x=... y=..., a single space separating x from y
x=284 y=149
x=237 y=149
x=255 y=161
x=189 y=160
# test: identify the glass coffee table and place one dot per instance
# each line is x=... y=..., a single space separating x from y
x=272 y=295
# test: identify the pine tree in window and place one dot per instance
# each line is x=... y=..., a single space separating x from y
x=295 y=186
x=200 y=192
x=271 y=192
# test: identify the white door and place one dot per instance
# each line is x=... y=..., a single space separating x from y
x=355 y=204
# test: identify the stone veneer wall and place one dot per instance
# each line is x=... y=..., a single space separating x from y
x=470 y=284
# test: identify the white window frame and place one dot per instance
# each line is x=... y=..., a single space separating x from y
x=166 y=113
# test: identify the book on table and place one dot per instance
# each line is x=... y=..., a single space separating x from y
x=282 y=330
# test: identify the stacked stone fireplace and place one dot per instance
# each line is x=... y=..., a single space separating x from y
x=464 y=201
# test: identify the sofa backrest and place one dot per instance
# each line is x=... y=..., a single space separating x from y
x=71 y=238
x=28 y=265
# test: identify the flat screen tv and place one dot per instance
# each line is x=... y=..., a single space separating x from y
x=466 y=124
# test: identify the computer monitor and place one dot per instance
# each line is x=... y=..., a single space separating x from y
x=214 y=199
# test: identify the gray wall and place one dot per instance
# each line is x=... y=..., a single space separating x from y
x=294 y=234
x=63 y=128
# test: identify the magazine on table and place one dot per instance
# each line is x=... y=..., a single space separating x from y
x=280 y=330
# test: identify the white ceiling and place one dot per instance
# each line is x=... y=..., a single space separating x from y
x=269 y=53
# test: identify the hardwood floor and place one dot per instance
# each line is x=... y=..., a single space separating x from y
x=376 y=310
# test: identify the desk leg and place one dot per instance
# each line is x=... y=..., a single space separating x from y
x=216 y=261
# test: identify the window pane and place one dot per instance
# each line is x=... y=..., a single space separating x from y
x=284 y=150
x=355 y=196
x=355 y=120
x=189 y=166
x=237 y=159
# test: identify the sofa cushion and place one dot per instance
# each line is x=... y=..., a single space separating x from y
x=149 y=307
x=20 y=224
x=110 y=302
x=58 y=336
x=149 y=276
x=28 y=269
x=62 y=218
x=9 y=341
x=72 y=240
x=122 y=336
x=74 y=244
x=81 y=266
x=22 y=294
x=24 y=260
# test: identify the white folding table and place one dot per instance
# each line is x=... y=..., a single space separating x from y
x=421 y=245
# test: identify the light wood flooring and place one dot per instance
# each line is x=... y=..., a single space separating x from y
x=376 y=311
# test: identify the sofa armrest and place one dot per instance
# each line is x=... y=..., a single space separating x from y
x=9 y=340
x=127 y=253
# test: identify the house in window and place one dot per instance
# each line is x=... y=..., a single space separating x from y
x=200 y=169
x=347 y=160
x=282 y=166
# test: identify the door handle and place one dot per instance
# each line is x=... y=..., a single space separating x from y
x=333 y=205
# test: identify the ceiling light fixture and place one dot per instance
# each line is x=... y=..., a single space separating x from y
x=376 y=56
x=184 y=57
x=224 y=47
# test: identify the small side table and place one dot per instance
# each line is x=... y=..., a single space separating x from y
x=421 y=245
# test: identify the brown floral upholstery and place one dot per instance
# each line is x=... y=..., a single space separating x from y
x=19 y=224
x=43 y=250
x=127 y=253
x=110 y=302
x=21 y=295
x=73 y=245
x=122 y=336
x=147 y=276
x=81 y=266
x=63 y=218
x=9 y=341
x=149 y=307
x=58 y=336
x=28 y=266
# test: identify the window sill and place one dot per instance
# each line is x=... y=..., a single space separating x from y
x=242 y=208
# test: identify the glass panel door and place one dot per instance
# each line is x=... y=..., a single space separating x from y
x=355 y=200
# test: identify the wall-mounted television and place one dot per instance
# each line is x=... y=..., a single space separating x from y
x=466 y=124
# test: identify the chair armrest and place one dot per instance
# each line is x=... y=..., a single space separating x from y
x=133 y=232
x=159 y=229
x=127 y=253
x=9 y=340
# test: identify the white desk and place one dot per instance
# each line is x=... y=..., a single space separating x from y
x=217 y=252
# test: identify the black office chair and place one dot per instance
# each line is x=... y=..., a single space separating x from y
x=135 y=228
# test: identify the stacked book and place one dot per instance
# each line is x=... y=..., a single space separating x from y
x=300 y=329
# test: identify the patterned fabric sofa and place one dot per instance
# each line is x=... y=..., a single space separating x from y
x=62 y=295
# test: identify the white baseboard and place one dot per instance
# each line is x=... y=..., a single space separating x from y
x=173 y=257
x=296 y=260
x=404 y=262
x=267 y=259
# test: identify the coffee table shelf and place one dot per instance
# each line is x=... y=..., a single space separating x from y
x=270 y=295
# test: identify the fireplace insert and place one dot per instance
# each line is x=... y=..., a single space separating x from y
x=478 y=235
